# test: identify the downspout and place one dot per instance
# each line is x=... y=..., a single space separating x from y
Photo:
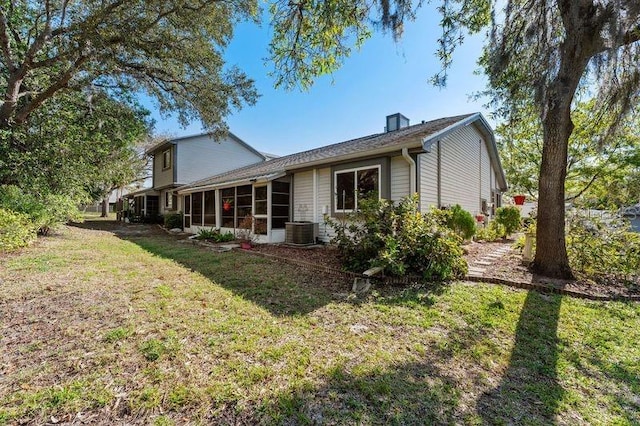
x=412 y=170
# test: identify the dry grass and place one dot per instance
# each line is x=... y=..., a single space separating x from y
x=136 y=327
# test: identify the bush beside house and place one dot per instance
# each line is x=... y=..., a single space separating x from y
x=400 y=239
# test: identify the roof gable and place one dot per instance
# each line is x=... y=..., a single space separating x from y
x=162 y=145
x=411 y=136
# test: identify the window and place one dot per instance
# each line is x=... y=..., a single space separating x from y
x=187 y=211
x=355 y=184
x=228 y=202
x=196 y=208
x=279 y=204
x=244 y=197
x=167 y=200
x=210 y=208
x=260 y=210
x=166 y=159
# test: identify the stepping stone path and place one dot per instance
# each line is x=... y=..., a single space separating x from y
x=478 y=267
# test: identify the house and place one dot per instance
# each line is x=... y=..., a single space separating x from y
x=632 y=213
x=447 y=161
x=186 y=159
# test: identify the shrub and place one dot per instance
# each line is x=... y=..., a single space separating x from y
x=603 y=249
x=173 y=220
x=46 y=211
x=400 y=239
x=461 y=222
x=492 y=232
x=16 y=230
x=509 y=218
x=215 y=235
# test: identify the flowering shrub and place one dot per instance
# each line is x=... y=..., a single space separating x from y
x=400 y=239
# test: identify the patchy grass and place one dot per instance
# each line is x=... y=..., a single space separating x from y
x=148 y=330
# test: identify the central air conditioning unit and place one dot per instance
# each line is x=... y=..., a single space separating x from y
x=300 y=233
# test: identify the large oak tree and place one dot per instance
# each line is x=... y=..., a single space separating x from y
x=540 y=50
x=170 y=49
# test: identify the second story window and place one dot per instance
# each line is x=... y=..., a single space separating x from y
x=166 y=159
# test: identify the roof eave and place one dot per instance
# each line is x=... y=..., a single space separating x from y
x=324 y=161
x=245 y=181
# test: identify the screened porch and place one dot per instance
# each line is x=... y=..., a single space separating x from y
x=263 y=207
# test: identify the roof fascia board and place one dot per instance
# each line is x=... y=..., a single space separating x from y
x=324 y=161
x=246 y=181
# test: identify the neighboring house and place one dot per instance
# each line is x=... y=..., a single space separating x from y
x=633 y=214
x=447 y=161
x=186 y=159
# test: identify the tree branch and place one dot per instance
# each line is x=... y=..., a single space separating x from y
x=4 y=42
x=24 y=112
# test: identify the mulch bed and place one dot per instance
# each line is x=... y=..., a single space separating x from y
x=326 y=256
x=508 y=270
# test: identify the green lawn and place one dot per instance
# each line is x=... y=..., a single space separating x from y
x=143 y=329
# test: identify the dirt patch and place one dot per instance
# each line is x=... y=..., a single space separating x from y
x=322 y=255
x=510 y=267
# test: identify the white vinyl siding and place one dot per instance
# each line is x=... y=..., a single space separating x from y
x=428 y=183
x=400 y=175
x=460 y=169
x=324 y=203
x=303 y=196
x=465 y=172
x=200 y=157
x=485 y=172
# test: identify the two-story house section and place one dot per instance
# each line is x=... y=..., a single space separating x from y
x=178 y=161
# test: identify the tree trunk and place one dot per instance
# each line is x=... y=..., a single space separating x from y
x=551 y=258
x=105 y=207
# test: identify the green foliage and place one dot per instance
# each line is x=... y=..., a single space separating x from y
x=81 y=146
x=400 y=239
x=215 y=235
x=152 y=349
x=461 y=222
x=16 y=230
x=117 y=334
x=301 y=52
x=604 y=166
x=173 y=220
x=45 y=212
x=490 y=233
x=172 y=50
x=312 y=39
x=509 y=218
x=603 y=249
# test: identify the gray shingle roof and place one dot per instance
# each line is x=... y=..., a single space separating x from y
x=330 y=153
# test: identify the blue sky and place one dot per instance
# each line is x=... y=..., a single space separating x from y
x=382 y=78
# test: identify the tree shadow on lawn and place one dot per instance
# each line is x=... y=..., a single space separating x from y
x=411 y=393
x=529 y=391
x=281 y=288
x=434 y=391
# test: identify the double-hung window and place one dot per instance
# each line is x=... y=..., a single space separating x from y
x=166 y=159
x=355 y=184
